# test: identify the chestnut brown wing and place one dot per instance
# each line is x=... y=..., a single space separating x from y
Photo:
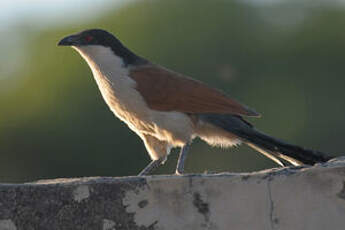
x=165 y=90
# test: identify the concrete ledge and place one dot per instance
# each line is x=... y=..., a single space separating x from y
x=288 y=198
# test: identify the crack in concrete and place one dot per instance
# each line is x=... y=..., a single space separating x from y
x=272 y=220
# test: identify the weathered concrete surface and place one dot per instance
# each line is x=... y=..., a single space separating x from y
x=289 y=198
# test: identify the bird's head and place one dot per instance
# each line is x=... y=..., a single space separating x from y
x=94 y=41
x=90 y=37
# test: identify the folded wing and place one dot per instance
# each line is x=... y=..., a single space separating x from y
x=164 y=90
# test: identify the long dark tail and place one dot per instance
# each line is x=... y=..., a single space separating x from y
x=269 y=146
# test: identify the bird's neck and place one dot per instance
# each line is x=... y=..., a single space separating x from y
x=103 y=62
x=109 y=71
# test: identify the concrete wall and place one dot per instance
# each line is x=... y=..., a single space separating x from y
x=288 y=198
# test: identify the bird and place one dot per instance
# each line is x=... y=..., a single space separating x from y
x=167 y=109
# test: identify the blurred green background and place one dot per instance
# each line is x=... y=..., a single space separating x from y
x=283 y=58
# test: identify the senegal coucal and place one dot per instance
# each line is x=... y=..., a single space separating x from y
x=167 y=109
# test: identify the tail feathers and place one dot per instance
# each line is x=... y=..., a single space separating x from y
x=273 y=148
x=271 y=155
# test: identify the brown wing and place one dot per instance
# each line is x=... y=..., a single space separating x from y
x=164 y=90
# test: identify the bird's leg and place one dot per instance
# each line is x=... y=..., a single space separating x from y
x=152 y=166
x=183 y=155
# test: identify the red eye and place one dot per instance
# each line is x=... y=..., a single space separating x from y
x=88 y=38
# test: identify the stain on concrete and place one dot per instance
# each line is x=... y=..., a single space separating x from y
x=341 y=194
x=53 y=206
x=202 y=206
x=7 y=225
x=143 y=203
x=82 y=192
x=152 y=226
x=108 y=225
x=275 y=221
x=245 y=177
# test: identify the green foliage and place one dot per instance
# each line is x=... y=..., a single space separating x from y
x=54 y=123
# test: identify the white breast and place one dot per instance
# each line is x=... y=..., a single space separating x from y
x=118 y=90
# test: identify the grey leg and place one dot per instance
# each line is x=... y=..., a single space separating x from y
x=183 y=155
x=151 y=167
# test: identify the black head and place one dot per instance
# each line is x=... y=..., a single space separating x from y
x=101 y=37
x=90 y=37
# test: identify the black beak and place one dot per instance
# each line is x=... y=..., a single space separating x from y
x=69 y=41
